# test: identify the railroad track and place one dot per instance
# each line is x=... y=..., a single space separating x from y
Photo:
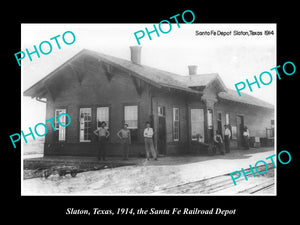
x=222 y=184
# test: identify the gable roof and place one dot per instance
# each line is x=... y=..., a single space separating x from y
x=154 y=76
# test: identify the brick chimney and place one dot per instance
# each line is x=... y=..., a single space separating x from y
x=136 y=54
x=192 y=69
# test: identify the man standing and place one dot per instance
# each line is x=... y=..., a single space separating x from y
x=148 y=135
x=124 y=135
x=103 y=134
x=246 y=136
x=227 y=136
x=219 y=142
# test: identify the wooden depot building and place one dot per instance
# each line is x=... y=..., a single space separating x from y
x=184 y=111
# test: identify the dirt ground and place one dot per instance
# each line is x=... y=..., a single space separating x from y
x=147 y=177
x=33 y=149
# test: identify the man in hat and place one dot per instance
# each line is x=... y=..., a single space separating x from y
x=124 y=135
x=227 y=136
x=103 y=135
x=219 y=142
x=246 y=136
x=148 y=135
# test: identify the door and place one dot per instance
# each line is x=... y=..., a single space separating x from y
x=240 y=130
x=60 y=134
x=161 y=137
x=210 y=127
x=220 y=124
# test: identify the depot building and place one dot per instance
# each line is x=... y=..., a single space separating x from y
x=185 y=111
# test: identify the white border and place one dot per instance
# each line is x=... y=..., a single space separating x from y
x=150 y=195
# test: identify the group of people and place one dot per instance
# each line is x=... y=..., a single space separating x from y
x=218 y=140
x=125 y=137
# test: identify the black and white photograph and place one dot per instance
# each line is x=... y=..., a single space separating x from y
x=129 y=109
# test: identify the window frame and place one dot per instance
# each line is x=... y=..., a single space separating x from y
x=173 y=123
x=272 y=123
x=59 y=127
x=137 y=114
x=161 y=110
x=107 y=122
x=91 y=123
x=227 y=115
x=191 y=124
x=210 y=119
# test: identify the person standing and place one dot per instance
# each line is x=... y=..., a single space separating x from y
x=246 y=138
x=124 y=135
x=219 y=142
x=149 y=146
x=103 y=135
x=227 y=136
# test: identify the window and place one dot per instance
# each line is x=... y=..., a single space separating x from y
x=209 y=119
x=131 y=116
x=176 y=124
x=270 y=133
x=161 y=111
x=85 y=124
x=61 y=131
x=197 y=125
x=227 y=118
x=272 y=129
x=233 y=132
x=103 y=116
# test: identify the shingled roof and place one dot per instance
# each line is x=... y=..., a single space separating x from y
x=199 y=80
x=161 y=77
x=231 y=95
x=157 y=77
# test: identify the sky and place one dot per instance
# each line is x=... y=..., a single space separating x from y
x=235 y=57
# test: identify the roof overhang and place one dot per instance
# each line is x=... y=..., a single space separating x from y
x=87 y=60
x=232 y=96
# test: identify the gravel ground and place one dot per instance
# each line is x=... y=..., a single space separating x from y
x=147 y=176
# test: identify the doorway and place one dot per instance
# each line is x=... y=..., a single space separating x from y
x=240 y=130
x=161 y=137
x=220 y=124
